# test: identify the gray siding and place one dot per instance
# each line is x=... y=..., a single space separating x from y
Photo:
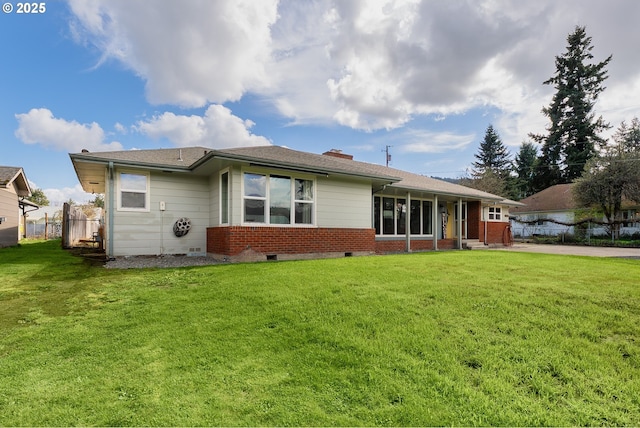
x=9 y=229
x=342 y=203
x=151 y=233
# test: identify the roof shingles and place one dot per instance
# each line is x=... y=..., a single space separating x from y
x=191 y=157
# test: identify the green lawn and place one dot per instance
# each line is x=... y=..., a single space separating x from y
x=444 y=338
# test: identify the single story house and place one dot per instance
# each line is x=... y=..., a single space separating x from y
x=272 y=202
x=552 y=212
x=14 y=187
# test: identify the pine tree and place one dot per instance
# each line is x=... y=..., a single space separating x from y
x=525 y=167
x=573 y=132
x=492 y=156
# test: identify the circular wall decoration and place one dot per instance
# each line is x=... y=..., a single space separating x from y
x=181 y=226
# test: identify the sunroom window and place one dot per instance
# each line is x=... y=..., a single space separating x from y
x=389 y=216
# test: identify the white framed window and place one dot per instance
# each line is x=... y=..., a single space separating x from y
x=277 y=199
x=224 y=197
x=495 y=213
x=133 y=191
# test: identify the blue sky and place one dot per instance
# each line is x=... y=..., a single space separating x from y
x=424 y=77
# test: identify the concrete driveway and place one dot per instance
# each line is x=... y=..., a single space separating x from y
x=576 y=250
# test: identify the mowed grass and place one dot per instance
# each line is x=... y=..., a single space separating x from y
x=448 y=338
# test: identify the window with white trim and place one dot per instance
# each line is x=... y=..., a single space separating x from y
x=224 y=197
x=495 y=213
x=133 y=194
x=277 y=199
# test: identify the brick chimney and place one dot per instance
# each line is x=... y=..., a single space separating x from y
x=336 y=153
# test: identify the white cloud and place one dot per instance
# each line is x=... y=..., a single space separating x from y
x=420 y=141
x=365 y=64
x=76 y=193
x=39 y=126
x=189 y=53
x=218 y=128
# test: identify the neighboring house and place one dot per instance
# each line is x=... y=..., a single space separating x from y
x=271 y=202
x=13 y=188
x=551 y=212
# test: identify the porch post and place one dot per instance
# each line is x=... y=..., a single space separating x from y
x=459 y=225
x=110 y=208
x=434 y=222
x=407 y=221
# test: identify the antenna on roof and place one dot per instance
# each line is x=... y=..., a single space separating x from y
x=388 y=155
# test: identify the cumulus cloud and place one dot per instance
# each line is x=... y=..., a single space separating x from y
x=218 y=128
x=421 y=141
x=365 y=64
x=76 y=193
x=39 y=126
x=189 y=53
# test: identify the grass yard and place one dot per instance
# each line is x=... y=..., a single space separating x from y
x=444 y=338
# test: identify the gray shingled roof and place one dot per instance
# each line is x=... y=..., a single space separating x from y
x=190 y=158
x=401 y=179
x=9 y=174
x=178 y=157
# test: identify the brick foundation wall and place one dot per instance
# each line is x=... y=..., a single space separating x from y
x=495 y=232
x=398 y=246
x=233 y=240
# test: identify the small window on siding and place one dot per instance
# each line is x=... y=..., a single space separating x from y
x=495 y=213
x=224 y=197
x=134 y=192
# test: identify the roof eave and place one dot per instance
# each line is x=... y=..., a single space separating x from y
x=129 y=164
x=254 y=161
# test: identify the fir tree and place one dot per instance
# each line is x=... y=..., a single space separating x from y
x=573 y=132
x=525 y=167
x=492 y=156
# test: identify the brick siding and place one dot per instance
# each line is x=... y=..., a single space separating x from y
x=398 y=246
x=233 y=240
x=495 y=232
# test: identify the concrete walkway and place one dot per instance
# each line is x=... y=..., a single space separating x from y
x=576 y=250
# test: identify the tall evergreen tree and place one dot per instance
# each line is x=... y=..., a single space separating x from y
x=492 y=171
x=573 y=132
x=492 y=156
x=525 y=166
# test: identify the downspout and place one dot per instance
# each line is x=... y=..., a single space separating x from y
x=407 y=221
x=434 y=222
x=110 y=212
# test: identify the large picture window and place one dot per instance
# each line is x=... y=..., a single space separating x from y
x=134 y=191
x=289 y=200
x=389 y=216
